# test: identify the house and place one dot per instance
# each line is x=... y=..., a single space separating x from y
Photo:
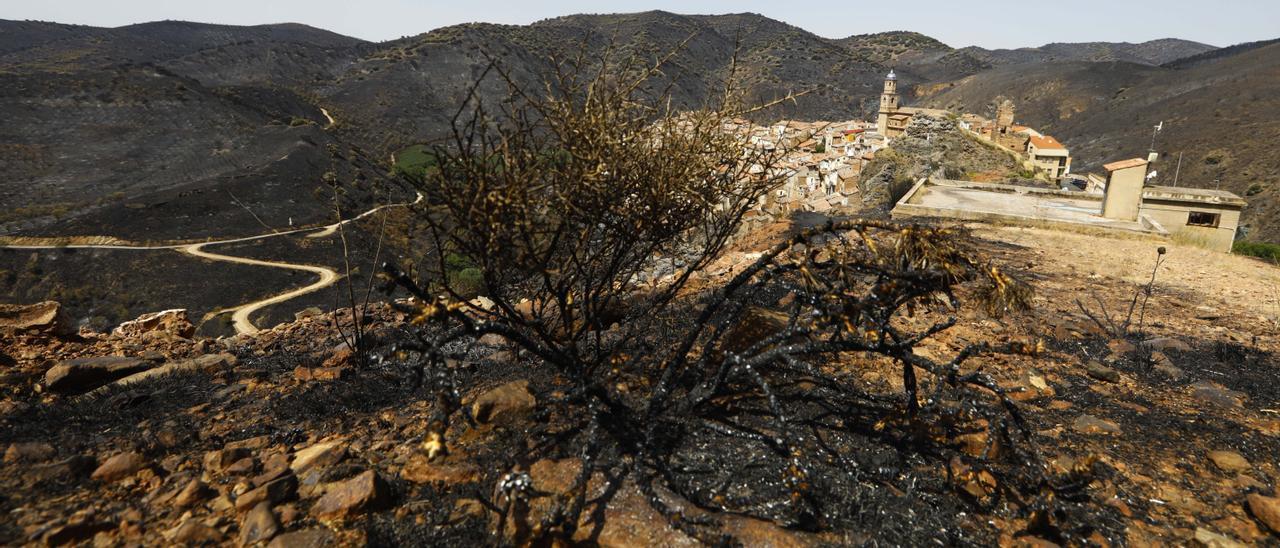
x=1049 y=155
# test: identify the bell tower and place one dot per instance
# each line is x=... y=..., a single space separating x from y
x=888 y=102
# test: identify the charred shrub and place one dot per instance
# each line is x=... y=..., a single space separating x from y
x=568 y=201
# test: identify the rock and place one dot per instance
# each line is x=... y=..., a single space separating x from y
x=308 y=312
x=84 y=374
x=307 y=374
x=171 y=322
x=1266 y=509
x=420 y=469
x=1120 y=346
x=194 y=533
x=210 y=363
x=46 y=317
x=492 y=339
x=74 y=467
x=504 y=404
x=1036 y=380
x=1165 y=344
x=218 y=461
x=277 y=491
x=755 y=325
x=1210 y=539
x=194 y=492
x=74 y=531
x=320 y=455
x=32 y=451
x=1229 y=461
x=1166 y=367
x=119 y=467
x=258 y=525
x=340 y=357
x=1207 y=313
x=1216 y=394
x=306 y=538
x=1089 y=424
x=1102 y=372
x=359 y=494
x=240 y=467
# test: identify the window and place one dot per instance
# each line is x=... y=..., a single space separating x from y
x=1200 y=218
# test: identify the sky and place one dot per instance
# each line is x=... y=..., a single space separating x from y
x=990 y=24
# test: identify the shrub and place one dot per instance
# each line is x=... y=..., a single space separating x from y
x=1262 y=250
x=586 y=210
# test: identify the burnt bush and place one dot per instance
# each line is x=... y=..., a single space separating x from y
x=593 y=211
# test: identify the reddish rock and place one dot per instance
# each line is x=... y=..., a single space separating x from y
x=217 y=461
x=194 y=533
x=421 y=469
x=77 y=530
x=1266 y=509
x=306 y=538
x=258 y=525
x=341 y=356
x=504 y=404
x=274 y=492
x=1120 y=346
x=119 y=467
x=46 y=317
x=194 y=492
x=362 y=493
x=1229 y=461
x=307 y=374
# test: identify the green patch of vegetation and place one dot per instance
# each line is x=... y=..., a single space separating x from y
x=464 y=276
x=1262 y=250
x=414 y=161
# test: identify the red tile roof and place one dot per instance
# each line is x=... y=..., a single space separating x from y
x=1046 y=143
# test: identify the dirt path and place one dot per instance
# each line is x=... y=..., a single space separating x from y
x=240 y=313
x=325 y=112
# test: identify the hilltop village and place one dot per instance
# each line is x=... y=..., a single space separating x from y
x=824 y=162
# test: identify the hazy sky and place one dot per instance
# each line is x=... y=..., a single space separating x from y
x=992 y=24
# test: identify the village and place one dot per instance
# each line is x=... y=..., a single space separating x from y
x=824 y=161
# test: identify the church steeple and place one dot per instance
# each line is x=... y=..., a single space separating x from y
x=888 y=102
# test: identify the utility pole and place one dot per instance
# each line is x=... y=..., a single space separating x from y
x=1177 y=169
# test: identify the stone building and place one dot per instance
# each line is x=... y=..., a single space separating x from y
x=893 y=118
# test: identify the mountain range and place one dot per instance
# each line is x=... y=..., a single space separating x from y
x=183 y=130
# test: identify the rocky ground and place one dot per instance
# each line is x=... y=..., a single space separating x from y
x=146 y=436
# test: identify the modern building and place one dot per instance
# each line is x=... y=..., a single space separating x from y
x=1198 y=216
x=1049 y=155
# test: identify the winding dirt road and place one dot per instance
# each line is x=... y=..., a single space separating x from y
x=240 y=313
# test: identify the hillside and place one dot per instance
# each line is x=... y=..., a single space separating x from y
x=1153 y=52
x=1220 y=113
x=283 y=435
x=407 y=90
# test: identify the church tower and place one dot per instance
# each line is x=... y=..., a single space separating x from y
x=888 y=103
